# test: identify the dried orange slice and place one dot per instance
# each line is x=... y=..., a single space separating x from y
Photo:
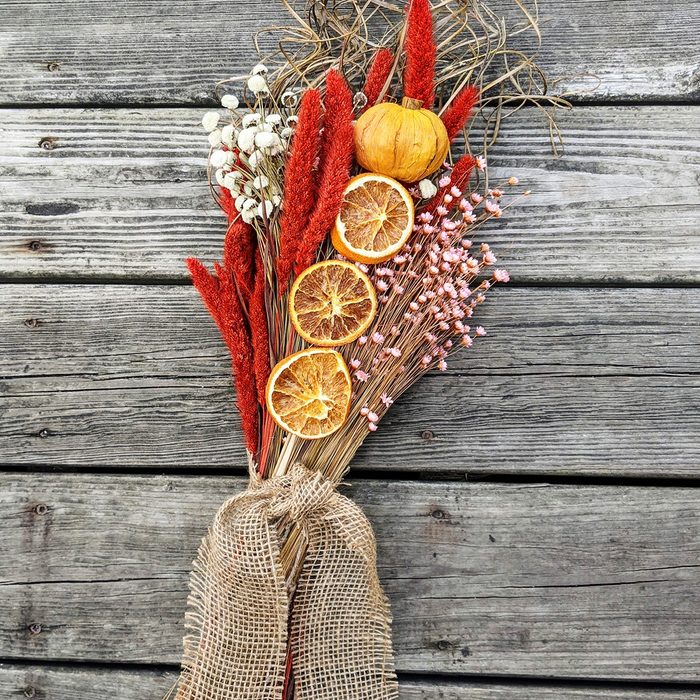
x=375 y=219
x=332 y=303
x=308 y=393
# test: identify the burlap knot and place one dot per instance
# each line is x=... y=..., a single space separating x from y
x=242 y=613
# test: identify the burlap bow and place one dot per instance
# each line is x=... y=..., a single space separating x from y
x=241 y=615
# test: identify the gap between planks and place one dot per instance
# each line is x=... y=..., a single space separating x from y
x=85 y=682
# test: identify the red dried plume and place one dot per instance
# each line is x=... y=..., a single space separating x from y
x=377 y=76
x=240 y=244
x=459 y=177
x=221 y=298
x=459 y=111
x=259 y=331
x=299 y=184
x=337 y=150
x=421 y=53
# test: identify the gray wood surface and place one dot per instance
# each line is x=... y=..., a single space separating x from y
x=534 y=580
x=57 y=683
x=145 y=52
x=594 y=587
x=569 y=381
x=106 y=194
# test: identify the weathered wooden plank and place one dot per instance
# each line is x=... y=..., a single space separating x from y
x=584 y=381
x=536 y=580
x=59 y=683
x=140 y=52
x=122 y=193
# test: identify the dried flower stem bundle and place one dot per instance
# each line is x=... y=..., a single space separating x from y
x=412 y=279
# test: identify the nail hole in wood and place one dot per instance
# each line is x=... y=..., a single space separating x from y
x=44 y=433
x=31 y=322
x=443 y=645
x=35 y=628
x=52 y=67
x=439 y=514
x=34 y=245
x=29 y=692
x=41 y=509
x=428 y=435
x=48 y=143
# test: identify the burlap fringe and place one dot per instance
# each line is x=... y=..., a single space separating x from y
x=238 y=620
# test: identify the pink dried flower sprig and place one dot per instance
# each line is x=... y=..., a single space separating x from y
x=427 y=293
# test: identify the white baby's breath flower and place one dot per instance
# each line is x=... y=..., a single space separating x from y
x=210 y=120
x=246 y=139
x=219 y=158
x=228 y=135
x=229 y=101
x=215 y=138
x=273 y=119
x=427 y=189
x=258 y=85
x=220 y=175
x=250 y=204
x=276 y=200
x=287 y=132
x=290 y=98
x=248 y=215
x=255 y=158
x=248 y=189
x=260 y=68
x=250 y=119
x=260 y=182
x=268 y=208
x=265 y=139
x=240 y=201
x=293 y=119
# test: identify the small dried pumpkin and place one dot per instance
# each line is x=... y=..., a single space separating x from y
x=402 y=141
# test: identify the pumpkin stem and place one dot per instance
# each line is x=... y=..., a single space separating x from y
x=410 y=103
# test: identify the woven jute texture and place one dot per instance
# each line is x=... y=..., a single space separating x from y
x=242 y=613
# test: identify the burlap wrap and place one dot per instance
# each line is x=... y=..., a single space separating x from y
x=239 y=607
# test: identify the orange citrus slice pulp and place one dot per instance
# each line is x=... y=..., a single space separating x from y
x=308 y=393
x=332 y=303
x=375 y=219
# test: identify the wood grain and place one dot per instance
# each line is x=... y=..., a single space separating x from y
x=569 y=381
x=121 y=194
x=61 y=683
x=535 y=580
x=138 y=52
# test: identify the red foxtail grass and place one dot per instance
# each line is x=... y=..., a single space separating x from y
x=457 y=114
x=221 y=299
x=337 y=150
x=421 y=54
x=377 y=76
x=459 y=178
x=257 y=317
x=240 y=244
x=299 y=184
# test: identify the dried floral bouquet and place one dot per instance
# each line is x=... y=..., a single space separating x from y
x=349 y=270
